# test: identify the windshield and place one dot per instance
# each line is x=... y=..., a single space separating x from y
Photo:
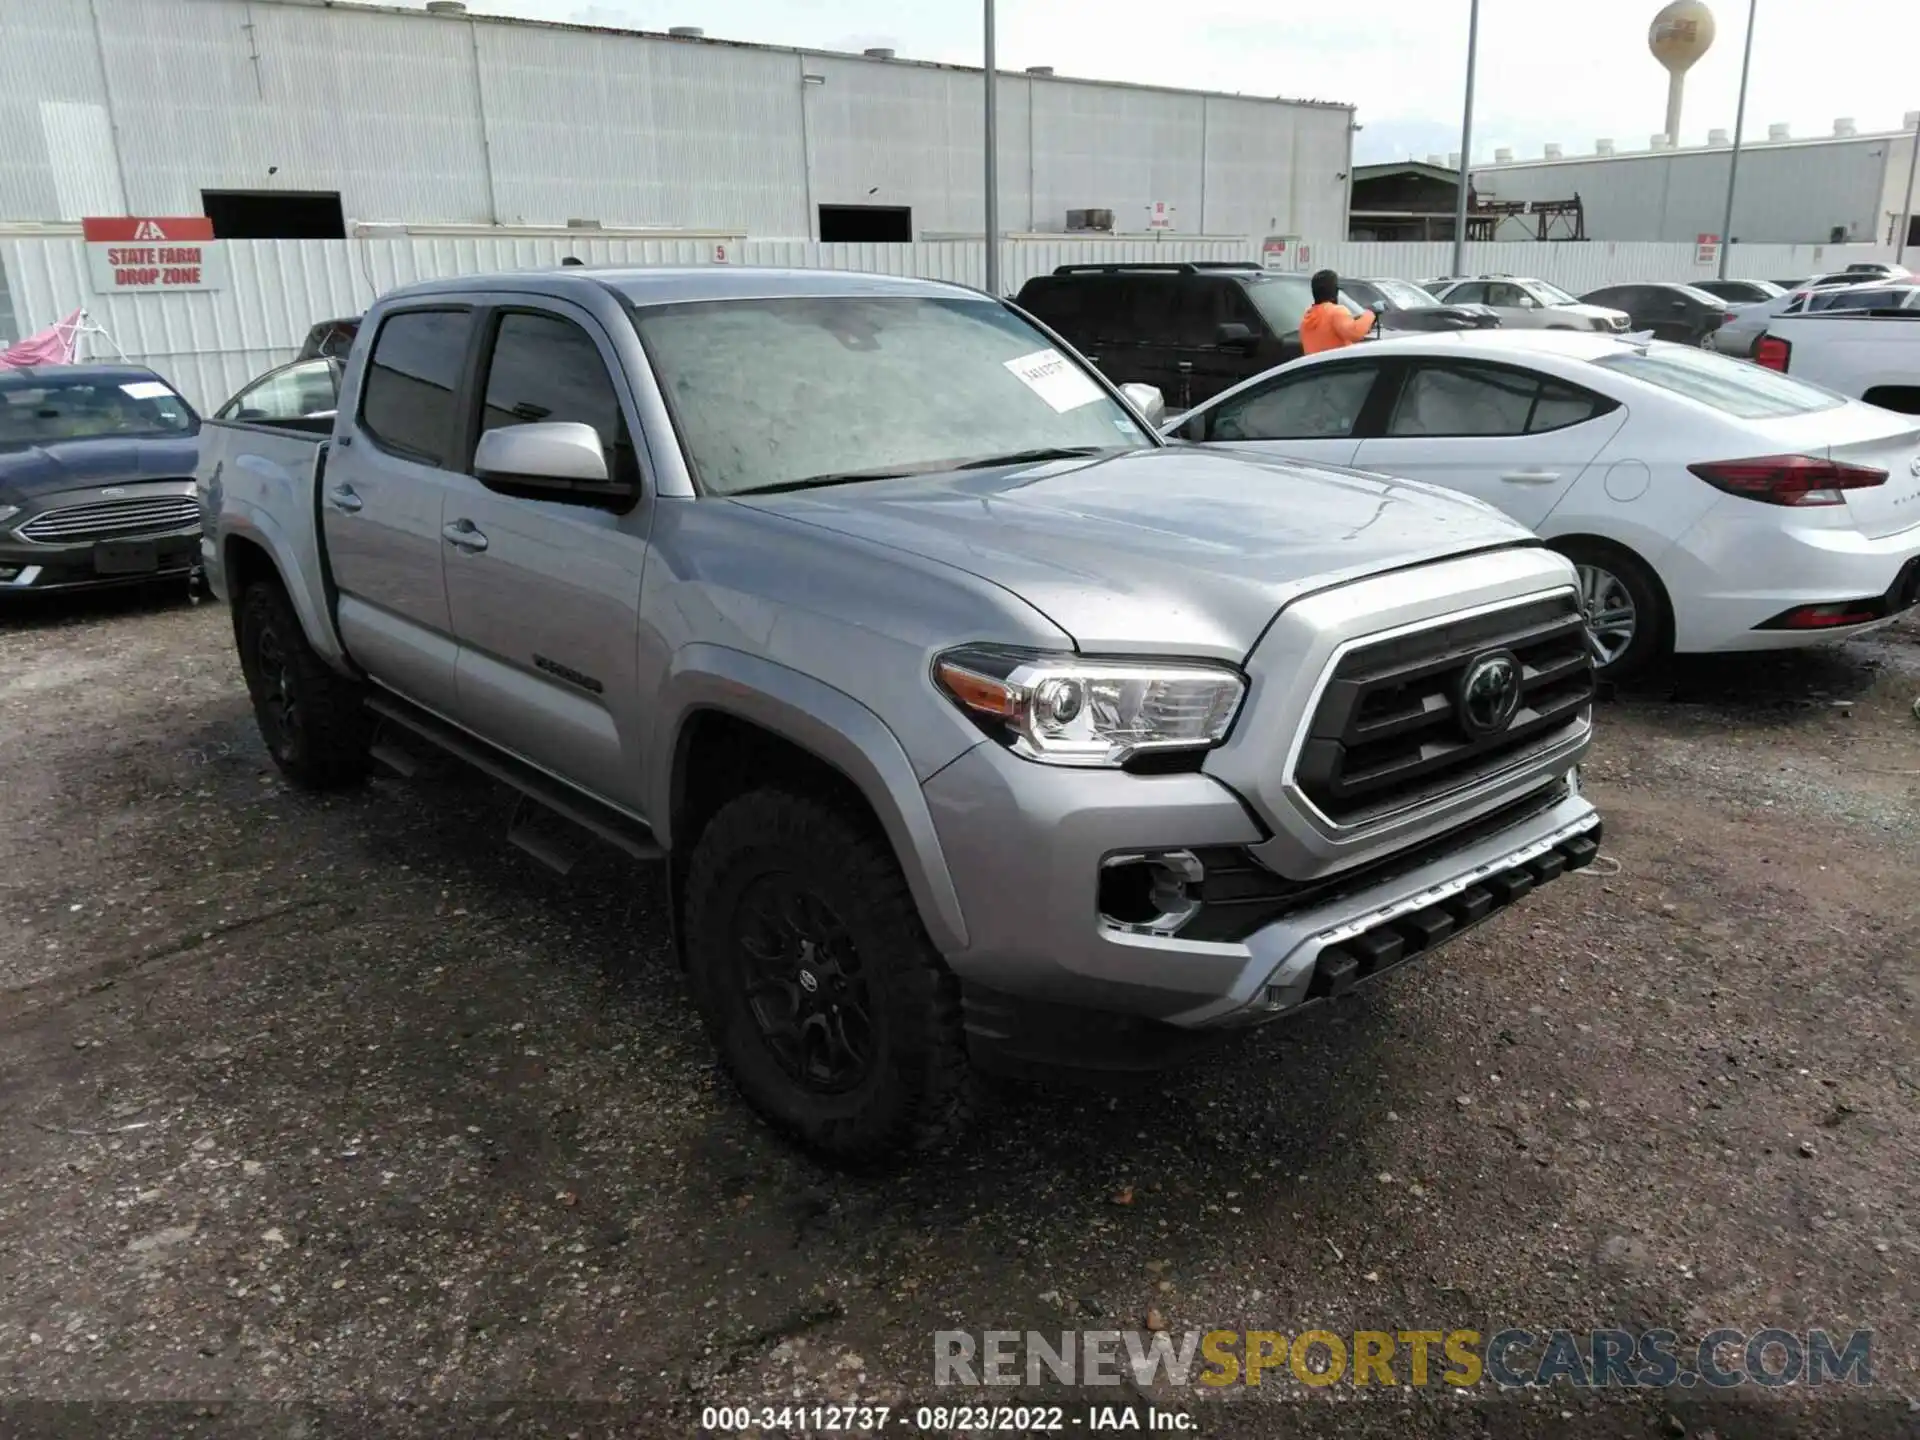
x=770 y=394
x=1701 y=297
x=1282 y=300
x=45 y=409
x=1405 y=295
x=1732 y=387
x=1547 y=294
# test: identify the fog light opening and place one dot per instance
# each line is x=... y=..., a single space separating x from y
x=1153 y=893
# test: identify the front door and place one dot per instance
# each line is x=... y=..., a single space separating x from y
x=1500 y=433
x=1305 y=414
x=545 y=594
x=380 y=503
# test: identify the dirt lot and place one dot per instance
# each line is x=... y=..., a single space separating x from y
x=342 y=1116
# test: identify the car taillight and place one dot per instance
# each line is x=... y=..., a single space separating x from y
x=1773 y=353
x=1728 y=318
x=1789 y=479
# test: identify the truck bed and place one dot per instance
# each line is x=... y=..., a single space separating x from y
x=261 y=479
x=1871 y=355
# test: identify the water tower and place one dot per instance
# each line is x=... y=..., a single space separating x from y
x=1680 y=34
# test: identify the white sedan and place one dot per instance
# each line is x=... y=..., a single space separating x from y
x=1708 y=504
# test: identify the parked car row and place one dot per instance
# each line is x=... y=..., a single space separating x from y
x=1709 y=505
x=934 y=706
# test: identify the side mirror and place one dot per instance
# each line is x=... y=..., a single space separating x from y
x=1233 y=335
x=551 y=460
x=1148 y=400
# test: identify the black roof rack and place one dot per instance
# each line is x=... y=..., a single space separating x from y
x=1156 y=267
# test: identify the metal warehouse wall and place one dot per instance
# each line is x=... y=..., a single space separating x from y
x=135 y=106
x=1788 y=194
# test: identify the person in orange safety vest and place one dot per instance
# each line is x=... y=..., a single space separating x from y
x=1329 y=324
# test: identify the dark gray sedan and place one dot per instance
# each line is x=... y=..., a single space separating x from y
x=96 y=478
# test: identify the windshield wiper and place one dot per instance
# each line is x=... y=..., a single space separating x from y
x=1032 y=457
x=848 y=477
x=832 y=477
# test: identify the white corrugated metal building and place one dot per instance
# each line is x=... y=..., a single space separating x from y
x=140 y=107
x=1844 y=187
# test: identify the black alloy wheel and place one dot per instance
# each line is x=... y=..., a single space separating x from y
x=802 y=979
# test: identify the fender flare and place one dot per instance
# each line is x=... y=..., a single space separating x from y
x=240 y=520
x=830 y=725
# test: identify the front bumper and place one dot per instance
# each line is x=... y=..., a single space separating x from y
x=113 y=553
x=1024 y=844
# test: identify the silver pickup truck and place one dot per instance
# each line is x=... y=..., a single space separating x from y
x=974 y=724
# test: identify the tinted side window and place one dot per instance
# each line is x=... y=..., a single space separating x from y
x=1200 y=309
x=407 y=400
x=1152 y=308
x=1474 y=292
x=1443 y=400
x=1322 y=405
x=1558 y=406
x=546 y=368
x=1616 y=296
x=1057 y=303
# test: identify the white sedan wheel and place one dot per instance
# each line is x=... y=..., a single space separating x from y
x=1612 y=618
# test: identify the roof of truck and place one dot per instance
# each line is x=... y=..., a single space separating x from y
x=671 y=285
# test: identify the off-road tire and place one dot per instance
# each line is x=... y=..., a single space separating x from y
x=919 y=1089
x=325 y=746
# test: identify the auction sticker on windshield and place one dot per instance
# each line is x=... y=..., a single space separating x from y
x=1055 y=379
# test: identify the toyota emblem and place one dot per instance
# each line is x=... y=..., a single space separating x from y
x=1489 y=693
x=1913 y=465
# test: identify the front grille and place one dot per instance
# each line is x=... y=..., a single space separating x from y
x=113 y=520
x=1391 y=732
x=1238 y=895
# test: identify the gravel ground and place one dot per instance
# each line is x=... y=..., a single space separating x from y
x=340 y=1116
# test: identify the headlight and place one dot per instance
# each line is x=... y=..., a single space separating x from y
x=1068 y=710
x=7 y=512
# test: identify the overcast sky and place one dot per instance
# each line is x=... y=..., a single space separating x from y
x=1549 y=69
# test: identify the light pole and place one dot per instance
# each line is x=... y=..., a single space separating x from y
x=1906 y=211
x=1739 y=125
x=993 y=166
x=1466 y=145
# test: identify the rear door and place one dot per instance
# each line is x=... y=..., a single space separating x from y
x=1306 y=414
x=545 y=593
x=381 y=499
x=1501 y=433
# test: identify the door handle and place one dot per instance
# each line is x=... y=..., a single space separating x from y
x=341 y=497
x=462 y=533
x=1531 y=477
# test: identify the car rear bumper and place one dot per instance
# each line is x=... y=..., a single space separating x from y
x=1737 y=572
x=1048 y=979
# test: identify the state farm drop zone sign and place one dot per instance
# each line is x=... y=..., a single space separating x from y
x=135 y=254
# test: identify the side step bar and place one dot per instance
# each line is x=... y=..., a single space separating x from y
x=621 y=831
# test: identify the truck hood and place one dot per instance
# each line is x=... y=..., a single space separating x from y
x=107 y=460
x=1173 y=551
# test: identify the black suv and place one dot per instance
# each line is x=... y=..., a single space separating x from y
x=1193 y=328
